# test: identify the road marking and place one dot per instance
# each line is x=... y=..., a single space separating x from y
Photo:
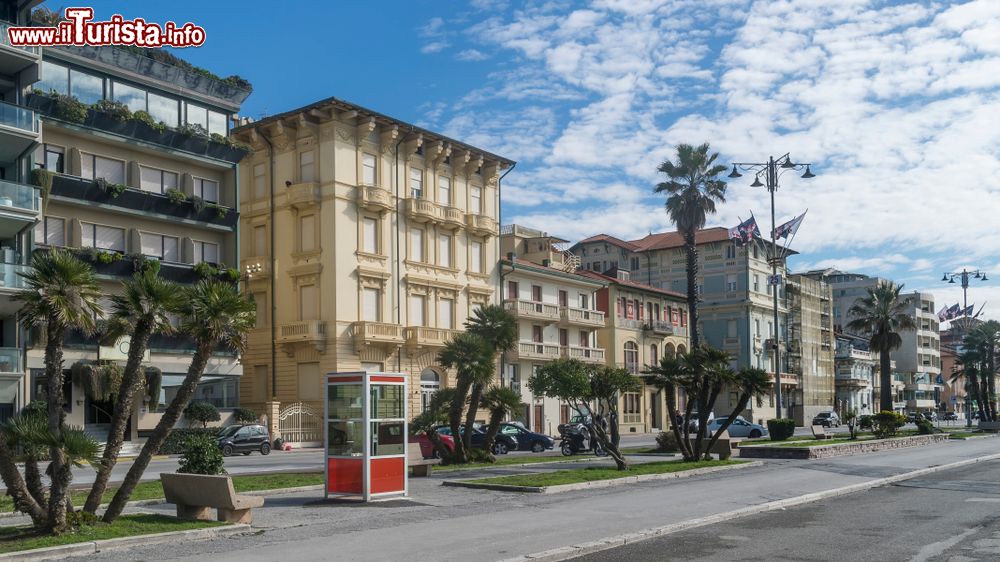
x=937 y=548
x=983 y=500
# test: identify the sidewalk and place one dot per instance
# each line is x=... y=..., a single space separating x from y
x=438 y=523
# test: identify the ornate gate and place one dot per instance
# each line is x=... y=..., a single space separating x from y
x=298 y=423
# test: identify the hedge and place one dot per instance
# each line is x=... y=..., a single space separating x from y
x=780 y=428
x=174 y=444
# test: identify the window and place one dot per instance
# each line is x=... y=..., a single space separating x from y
x=51 y=231
x=444 y=250
x=416 y=244
x=197 y=115
x=476 y=257
x=370 y=305
x=103 y=237
x=584 y=301
x=653 y=357
x=259 y=181
x=54 y=77
x=134 y=98
x=632 y=357
x=307 y=166
x=536 y=334
x=85 y=87
x=218 y=123
x=416 y=312
x=369 y=235
x=475 y=199
x=536 y=293
x=444 y=191
x=307 y=233
x=164 y=109
x=93 y=167
x=584 y=338
x=756 y=283
x=206 y=189
x=260 y=299
x=260 y=240
x=155 y=180
x=368 y=169
x=630 y=403
x=731 y=282
x=206 y=252
x=731 y=252
x=563 y=337
x=563 y=298
x=731 y=328
x=512 y=290
x=220 y=391
x=446 y=311
x=160 y=246
x=416 y=183
x=55 y=157
x=308 y=302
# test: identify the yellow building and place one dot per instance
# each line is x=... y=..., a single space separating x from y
x=368 y=241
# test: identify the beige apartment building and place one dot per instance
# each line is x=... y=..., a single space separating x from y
x=811 y=346
x=368 y=242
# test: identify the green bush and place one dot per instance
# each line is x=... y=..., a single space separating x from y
x=115 y=189
x=176 y=196
x=865 y=422
x=174 y=443
x=148 y=119
x=245 y=415
x=924 y=426
x=69 y=108
x=205 y=270
x=780 y=429
x=193 y=129
x=115 y=109
x=202 y=456
x=886 y=424
x=203 y=412
x=667 y=442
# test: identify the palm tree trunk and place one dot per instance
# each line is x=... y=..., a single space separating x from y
x=24 y=500
x=691 y=446
x=163 y=428
x=470 y=416
x=460 y=455
x=124 y=407
x=692 y=288
x=885 y=380
x=496 y=416
x=439 y=446
x=679 y=434
x=981 y=399
x=33 y=479
x=741 y=405
x=992 y=381
x=61 y=474
x=607 y=442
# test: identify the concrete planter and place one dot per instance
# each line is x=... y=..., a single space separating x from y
x=989 y=426
x=840 y=449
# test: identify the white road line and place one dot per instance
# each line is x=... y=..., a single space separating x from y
x=937 y=548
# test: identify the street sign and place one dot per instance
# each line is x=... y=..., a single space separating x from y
x=774 y=279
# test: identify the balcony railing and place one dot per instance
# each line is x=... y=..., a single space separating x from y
x=532 y=309
x=631 y=419
x=374 y=198
x=586 y=354
x=481 y=225
x=303 y=195
x=18 y=195
x=302 y=331
x=659 y=327
x=5 y=40
x=583 y=316
x=366 y=333
x=630 y=323
x=421 y=210
x=10 y=275
x=10 y=360
x=18 y=117
x=419 y=336
x=452 y=218
x=537 y=350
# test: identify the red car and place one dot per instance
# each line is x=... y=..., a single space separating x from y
x=427 y=448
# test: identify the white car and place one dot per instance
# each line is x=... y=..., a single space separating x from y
x=739 y=428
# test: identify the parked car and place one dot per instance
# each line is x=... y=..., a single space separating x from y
x=950 y=416
x=739 y=428
x=527 y=440
x=244 y=439
x=911 y=417
x=930 y=415
x=693 y=421
x=827 y=419
x=502 y=445
x=427 y=448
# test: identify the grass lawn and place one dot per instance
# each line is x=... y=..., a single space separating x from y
x=599 y=473
x=501 y=461
x=644 y=450
x=153 y=490
x=23 y=538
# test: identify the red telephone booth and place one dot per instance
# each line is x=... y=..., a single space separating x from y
x=366 y=435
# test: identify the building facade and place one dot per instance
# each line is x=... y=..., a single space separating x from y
x=856 y=375
x=370 y=242
x=811 y=346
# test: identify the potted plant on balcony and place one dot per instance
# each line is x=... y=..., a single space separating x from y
x=110 y=115
x=149 y=129
x=192 y=138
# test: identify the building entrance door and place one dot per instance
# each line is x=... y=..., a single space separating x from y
x=538 y=420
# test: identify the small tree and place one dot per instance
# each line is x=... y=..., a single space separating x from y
x=202 y=456
x=245 y=415
x=593 y=389
x=203 y=412
x=851 y=417
x=472 y=358
x=885 y=424
x=501 y=403
x=435 y=415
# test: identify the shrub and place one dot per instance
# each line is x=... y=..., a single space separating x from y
x=43 y=179
x=230 y=274
x=780 y=429
x=205 y=270
x=245 y=415
x=114 y=189
x=202 y=456
x=116 y=109
x=924 y=426
x=886 y=424
x=148 y=119
x=176 y=196
x=36 y=408
x=198 y=203
x=220 y=211
x=69 y=108
x=666 y=442
x=175 y=442
x=865 y=422
x=203 y=412
x=192 y=130
x=108 y=257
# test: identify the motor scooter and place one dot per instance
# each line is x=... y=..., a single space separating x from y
x=577 y=438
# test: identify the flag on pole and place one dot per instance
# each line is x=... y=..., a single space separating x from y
x=943 y=313
x=790 y=227
x=969 y=310
x=743 y=233
x=953 y=311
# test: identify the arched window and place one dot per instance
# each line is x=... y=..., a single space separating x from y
x=653 y=357
x=430 y=382
x=632 y=357
x=668 y=350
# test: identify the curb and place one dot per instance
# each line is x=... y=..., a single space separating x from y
x=521 y=465
x=610 y=483
x=573 y=551
x=93 y=547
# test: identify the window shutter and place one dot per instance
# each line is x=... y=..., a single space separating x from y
x=152 y=244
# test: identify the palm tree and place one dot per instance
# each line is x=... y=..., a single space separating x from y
x=501 y=403
x=498 y=328
x=61 y=293
x=692 y=188
x=214 y=312
x=472 y=358
x=882 y=315
x=430 y=419
x=143 y=309
x=981 y=350
x=969 y=360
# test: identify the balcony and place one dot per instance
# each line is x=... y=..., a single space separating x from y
x=10 y=360
x=306 y=332
x=421 y=210
x=659 y=327
x=629 y=324
x=536 y=350
x=374 y=198
x=377 y=333
x=481 y=225
x=418 y=337
x=303 y=195
x=585 y=354
x=851 y=380
x=18 y=130
x=451 y=218
x=582 y=317
x=19 y=205
x=532 y=310
x=15 y=59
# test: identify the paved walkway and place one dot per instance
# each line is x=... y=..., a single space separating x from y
x=438 y=523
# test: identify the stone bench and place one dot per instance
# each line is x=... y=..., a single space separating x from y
x=419 y=466
x=723 y=447
x=819 y=432
x=196 y=494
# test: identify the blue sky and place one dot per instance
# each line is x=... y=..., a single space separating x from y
x=896 y=103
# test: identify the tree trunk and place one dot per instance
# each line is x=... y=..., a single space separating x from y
x=496 y=416
x=741 y=405
x=981 y=399
x=460 y=455
x=163 y=428
x=439 y=446
x=124 y=405
x=885 y=380
x=679 y=434
x=61 y=475
x=992 y=384
x=687 y=426
x=607 y=442
x=692 y=286
x=470 y=416
x=33 y=479
x=24 y=500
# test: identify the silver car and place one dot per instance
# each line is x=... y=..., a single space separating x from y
x=739 y=428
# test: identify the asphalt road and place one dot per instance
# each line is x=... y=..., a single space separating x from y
x=948 y=516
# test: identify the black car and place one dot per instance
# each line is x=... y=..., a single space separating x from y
x=244 y=439
x=527 y=440
x=501 y=445
x=950 y=416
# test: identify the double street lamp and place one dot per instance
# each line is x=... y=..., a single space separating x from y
x=770 y=171
x=963 y=277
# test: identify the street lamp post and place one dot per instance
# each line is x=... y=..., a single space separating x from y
x=771 y=171
x=963 y=276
